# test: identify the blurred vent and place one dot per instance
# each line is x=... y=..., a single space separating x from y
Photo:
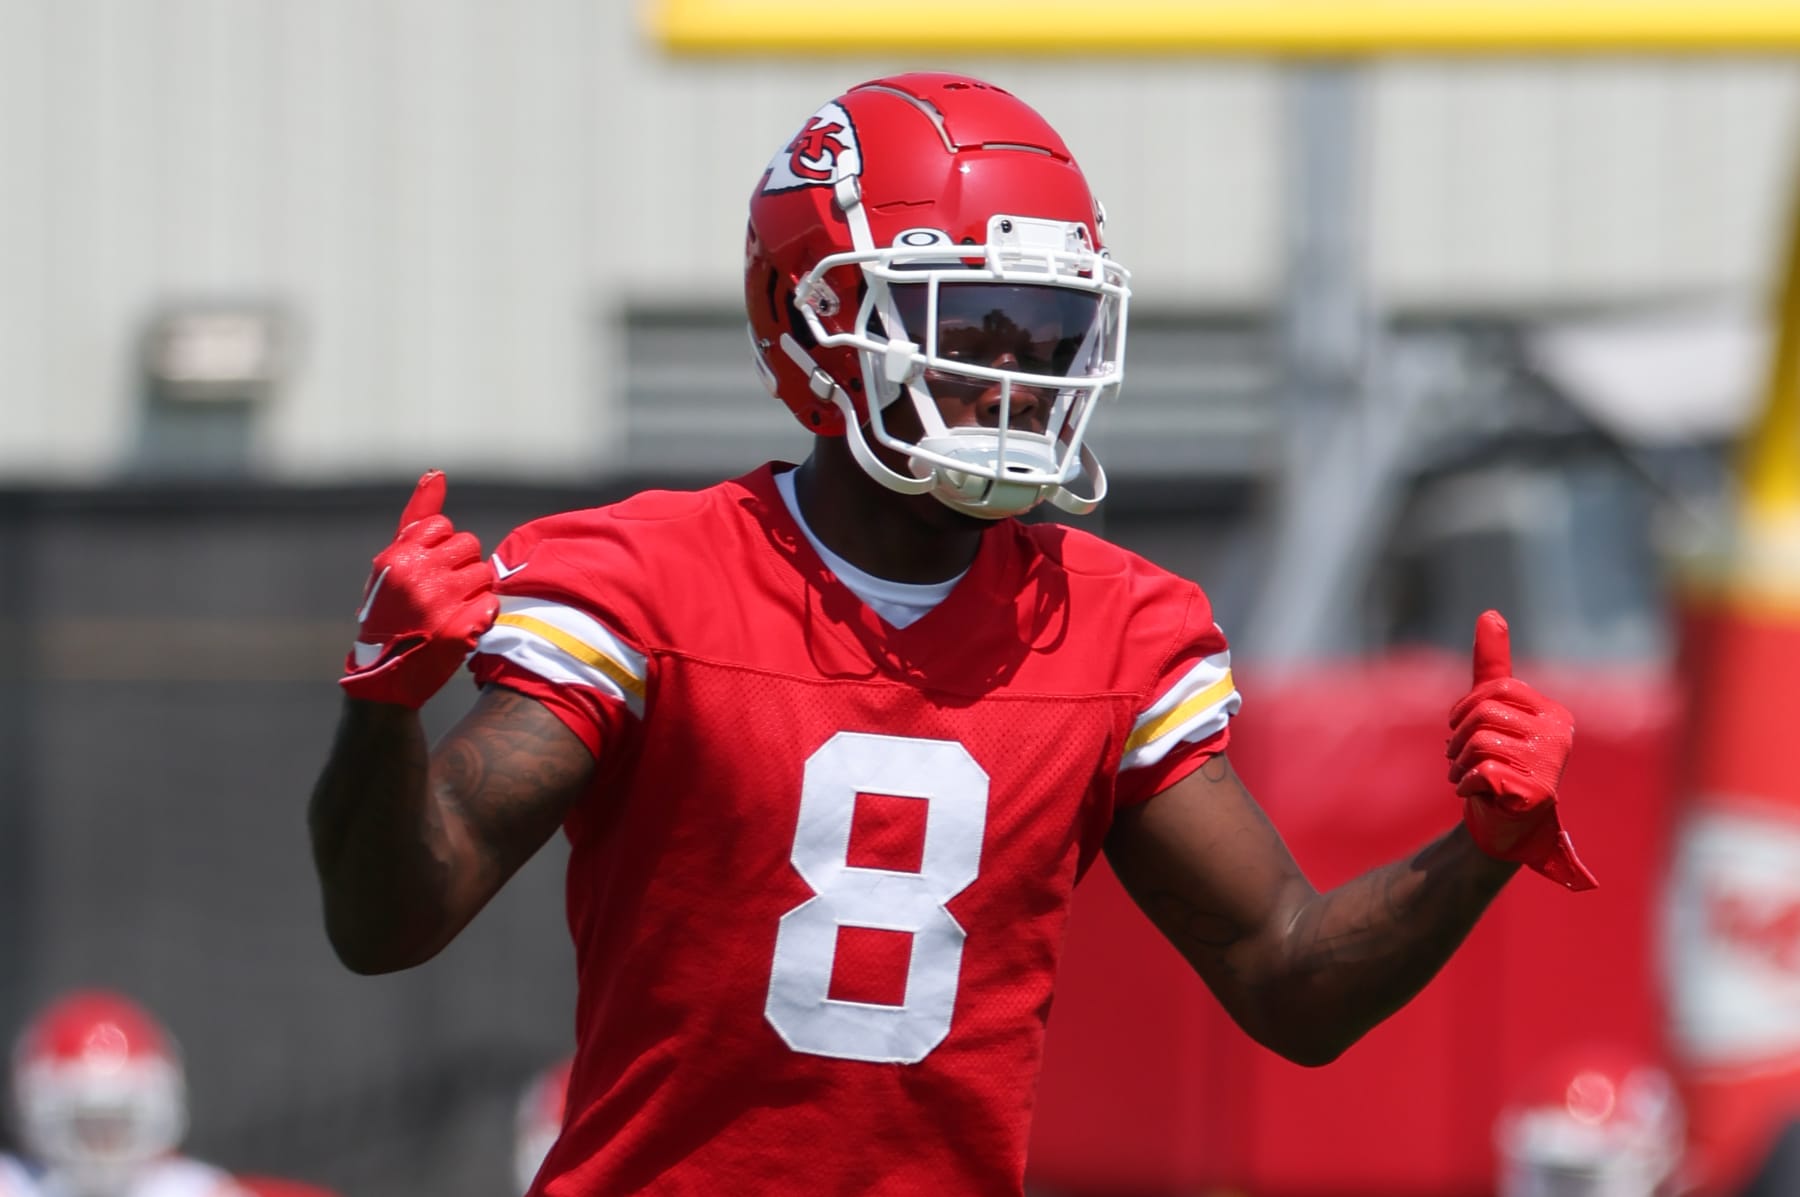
x=208 y=369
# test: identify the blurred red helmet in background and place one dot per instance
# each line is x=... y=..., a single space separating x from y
x=98 y=1090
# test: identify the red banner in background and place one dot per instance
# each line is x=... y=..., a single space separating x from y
x=1149 y=1088
x=1733 y=909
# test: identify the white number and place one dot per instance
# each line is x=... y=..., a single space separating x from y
x=955 y=790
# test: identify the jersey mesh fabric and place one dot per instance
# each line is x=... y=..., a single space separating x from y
x=711 y=890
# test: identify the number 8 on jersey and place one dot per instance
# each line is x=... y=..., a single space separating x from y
x=955 y=791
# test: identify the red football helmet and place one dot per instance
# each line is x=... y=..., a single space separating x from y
x=99 y=1091
x=1600 y=1121
x=540 y=1120
x=931 y=235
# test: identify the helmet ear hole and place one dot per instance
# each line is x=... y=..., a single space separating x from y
x=796 y=323
x=774 y=306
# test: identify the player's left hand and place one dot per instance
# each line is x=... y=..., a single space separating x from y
x=1508 y=746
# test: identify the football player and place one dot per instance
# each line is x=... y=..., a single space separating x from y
x=1597 y=1120
x=833 y=743
x=268 y=1186
x=100 y=1107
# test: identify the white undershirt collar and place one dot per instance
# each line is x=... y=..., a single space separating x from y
x=898 y=603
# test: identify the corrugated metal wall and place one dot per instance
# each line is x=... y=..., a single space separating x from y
x=457 y=199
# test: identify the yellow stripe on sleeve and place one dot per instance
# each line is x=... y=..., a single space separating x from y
x=580 y=650
x=1214 y=693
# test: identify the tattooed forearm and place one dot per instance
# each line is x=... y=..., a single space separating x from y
x=409 y=845
x=379 y=749
x=380 y=849
x=1189 y=927
x=1305 y=972
x=1346 y=959
x=1406 y=917
x=1356 y=954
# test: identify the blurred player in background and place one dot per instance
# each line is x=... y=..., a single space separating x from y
x=539 y=1121
x=1596 y=1121
x=263 y=1186
x=100 y=1107
x=833 y=744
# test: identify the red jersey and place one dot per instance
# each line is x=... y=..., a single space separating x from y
x=819 y=886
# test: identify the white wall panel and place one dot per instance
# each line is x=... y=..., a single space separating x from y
x=410 y=178
x=1184 y=158
x=87 y=238
x=1569 y=183
x=457 y=197
x=27 y=394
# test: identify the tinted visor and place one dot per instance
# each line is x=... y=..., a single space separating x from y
x=1043 y=329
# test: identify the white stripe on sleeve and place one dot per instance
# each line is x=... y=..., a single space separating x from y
x=569 y=647
x=1197 y=706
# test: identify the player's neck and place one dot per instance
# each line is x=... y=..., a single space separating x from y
x=902 y=538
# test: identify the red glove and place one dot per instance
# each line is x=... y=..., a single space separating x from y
x=430 y=597
x=1508 y=746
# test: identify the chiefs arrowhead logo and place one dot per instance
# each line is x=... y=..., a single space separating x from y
x=813 y=155
x=824 y=151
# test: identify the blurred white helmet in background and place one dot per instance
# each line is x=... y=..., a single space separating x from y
x=540 y=1120
x=98 y=1091
x=1598 y=1122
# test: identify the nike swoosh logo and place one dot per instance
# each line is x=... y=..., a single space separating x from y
x=503 y=571
x=374 y=589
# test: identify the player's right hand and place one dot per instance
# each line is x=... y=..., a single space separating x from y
x=429 y=598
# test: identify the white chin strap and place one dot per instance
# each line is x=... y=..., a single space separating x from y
x=980 y=492
x=969 y=492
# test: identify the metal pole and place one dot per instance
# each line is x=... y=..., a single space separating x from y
x=1325 y=346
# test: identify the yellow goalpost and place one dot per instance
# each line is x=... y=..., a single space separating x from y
x=1275 y=27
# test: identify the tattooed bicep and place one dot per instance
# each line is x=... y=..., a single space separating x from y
x=509 y=770
x=1206 y=865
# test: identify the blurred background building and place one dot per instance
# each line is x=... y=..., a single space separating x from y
x=1410 y=338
